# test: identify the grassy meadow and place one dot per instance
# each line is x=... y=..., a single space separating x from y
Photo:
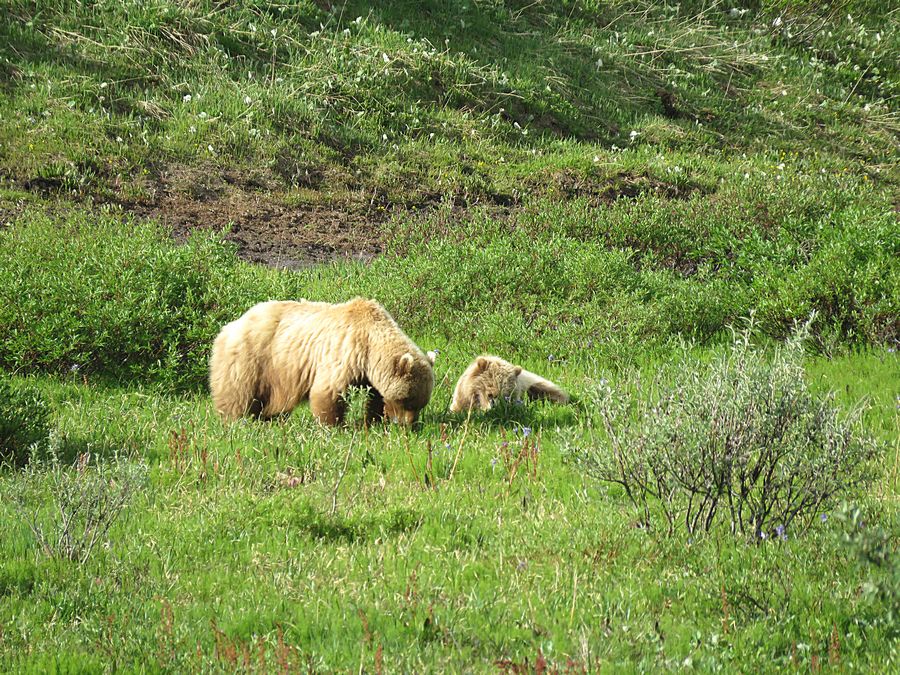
x=684 y=214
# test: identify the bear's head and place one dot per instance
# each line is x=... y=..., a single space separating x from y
x=484 y=382
x=409 y=390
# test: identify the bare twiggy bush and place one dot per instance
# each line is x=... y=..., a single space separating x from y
x=742 y=441
x=70 y=509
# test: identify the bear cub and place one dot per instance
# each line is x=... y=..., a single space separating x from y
x=489 y=378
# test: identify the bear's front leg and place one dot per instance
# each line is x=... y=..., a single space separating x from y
x=327 y=406
x=374 y=407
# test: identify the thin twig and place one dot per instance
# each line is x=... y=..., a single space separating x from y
x=341 y=476
x=461 y=443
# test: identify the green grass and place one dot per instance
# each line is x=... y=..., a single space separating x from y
x=588 y=189
x=413 y=101
x=440 y=572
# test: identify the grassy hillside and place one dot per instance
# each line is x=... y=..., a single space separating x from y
x=607 y=193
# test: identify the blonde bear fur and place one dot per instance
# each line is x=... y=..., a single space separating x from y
x=488 y=378
x=281 y=352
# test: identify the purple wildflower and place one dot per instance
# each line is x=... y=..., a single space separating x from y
x=780 y=532
x=526 y=432
x=823 y=517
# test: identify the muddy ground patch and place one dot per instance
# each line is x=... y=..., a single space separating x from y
x=293 y=227
x=267 y=225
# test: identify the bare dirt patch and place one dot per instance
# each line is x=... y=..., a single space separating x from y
x=600 y=191
x=267 y=226
x=335 y=219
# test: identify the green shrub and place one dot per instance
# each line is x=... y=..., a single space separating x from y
x=741 y=442
x=97 y=295
x=24 y=421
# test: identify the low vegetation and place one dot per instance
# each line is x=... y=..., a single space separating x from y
x=604 y=193
x=24 y=421
x=740 y=444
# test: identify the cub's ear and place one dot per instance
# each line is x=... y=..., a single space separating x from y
x=432 y=356
x=481 y=364
x=517 y=370
x=404 y=364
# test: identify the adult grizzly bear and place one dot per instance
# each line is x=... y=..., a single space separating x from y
x=281 y=352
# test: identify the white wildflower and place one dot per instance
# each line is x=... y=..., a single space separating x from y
x=186 y=98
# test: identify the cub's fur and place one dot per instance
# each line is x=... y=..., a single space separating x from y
x=489 y=378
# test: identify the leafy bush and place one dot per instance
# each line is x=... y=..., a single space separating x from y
x=96 y=295
x=84 y=501
x=741 y=441
x=24 y=421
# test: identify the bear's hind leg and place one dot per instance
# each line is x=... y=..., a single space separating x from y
x=327 y=407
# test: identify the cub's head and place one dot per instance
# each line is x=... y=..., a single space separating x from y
x=410 y=387
x=485 y=380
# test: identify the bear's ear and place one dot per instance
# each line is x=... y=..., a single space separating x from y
x=404 y=364
x=517 y=370
x=481 y=364
x=432 y=356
